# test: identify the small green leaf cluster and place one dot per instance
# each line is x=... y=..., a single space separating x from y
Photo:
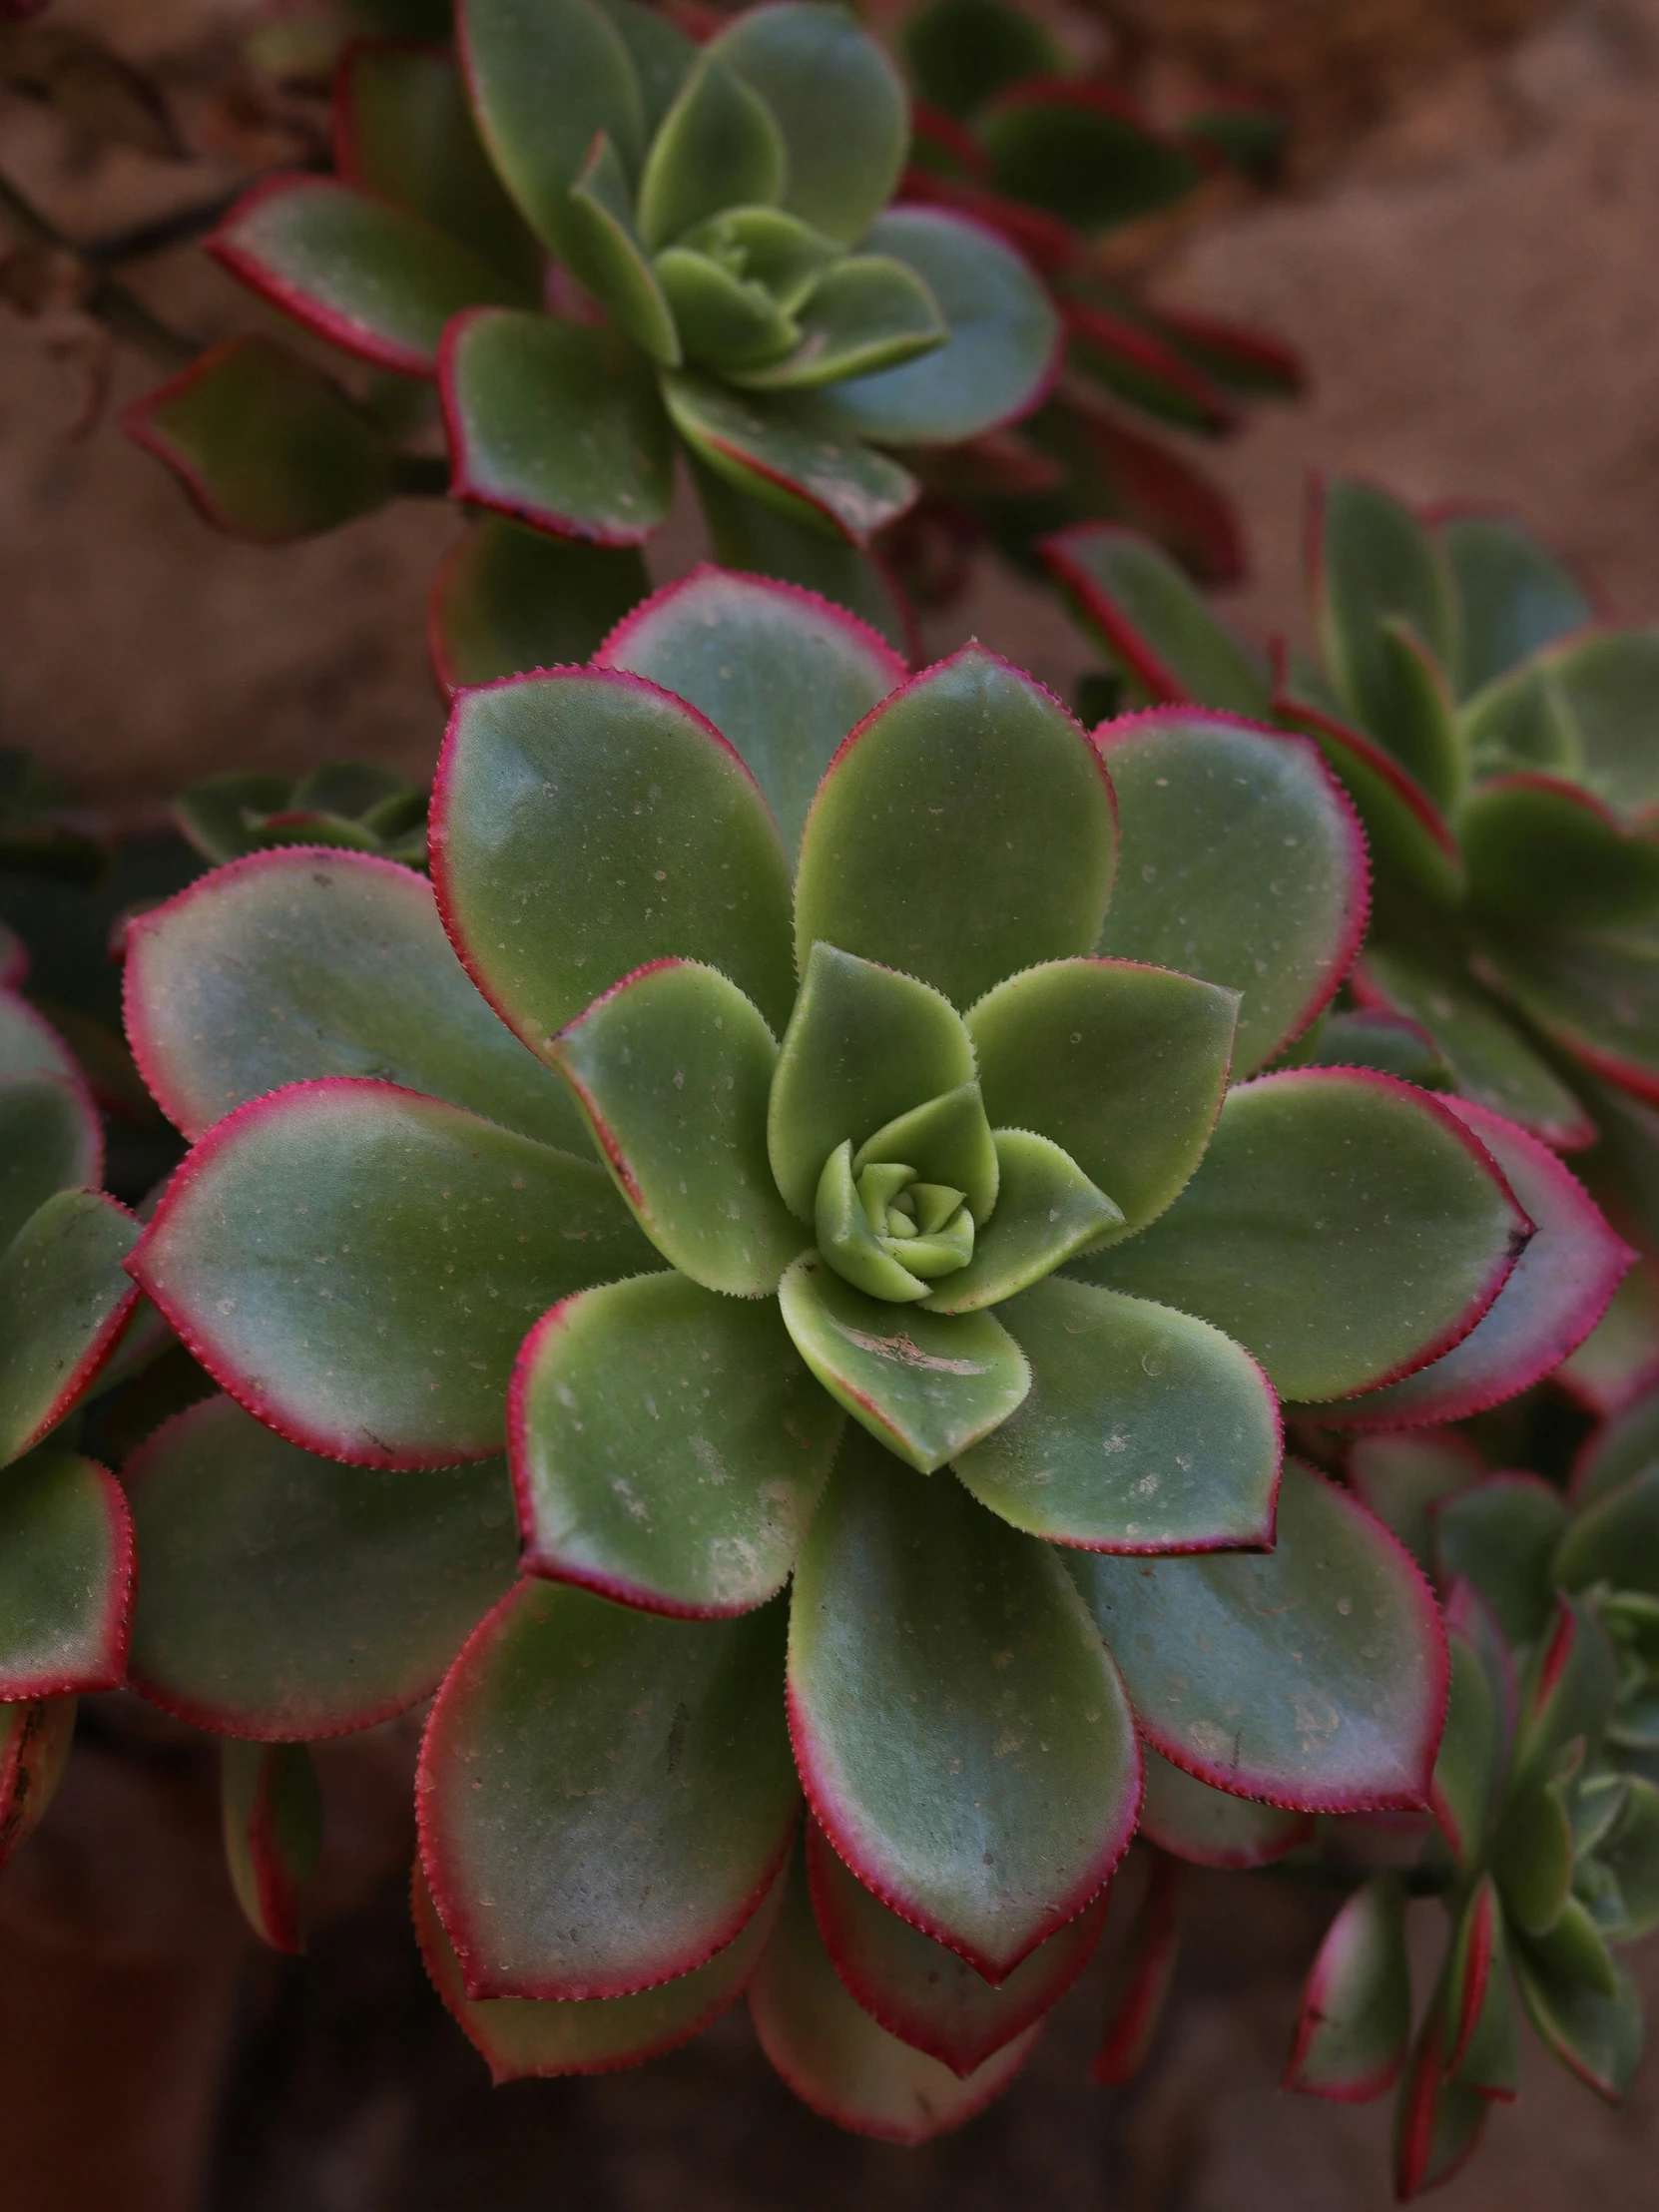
x=357 y=805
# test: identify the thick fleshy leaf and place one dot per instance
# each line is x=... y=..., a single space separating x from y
x=973 y=776
x=543 y=81
x=507 y=600
x=1469 y=1769
x=1401 y=1475
x=66 y=1577
x=288 y=966
x=605 y=254
x=1344 y=1227
x=1584 y=709
x=1357 y=2006
x=787 y=451
x=556 y=424
x=780 y=673
x=1597 y=2037
x=1415 y=857
x=865 y=1044
x=669 y=1446
x=50 y=1140
x=725 y=321
x=962 y=1736
x=64 y=1300
x=1489 y=1059
x=962 y=51
x=1141 y=1974
x=660 y=52
x=838 y=103
x=839 y=2061
x=284 y=1598
x=1314 y=1675
x=1513 y=597
x=34 y=1746
x=1081 y=151
x=1145 y=1431
x=1543 y=854
x=1630 y=1853
x=1591 y=993
x=1414 y=716
x=584 y=823
x=1121 y=1065
x=926 y=1385
x=1373 y=561
x=266 y=445
x=1185 y=1816
x=1046 y=1210
x=673 y=1067
x=521 y=2037
x=718 y=147
x=749 y=535
x=1500 y=1536
x=1615 y=1541
x=924 y=1993
x=1437 y=2123
x=1243 y=864
x=1482 y=2046
x=1567 y=1689
x=869 y=312
x=404 y=130
x=280 y=1256
x=1556 y=1292
x=1002 y=352
x=777 y=254
x=1153 y=622
x=272 y=1816
x=29 y=1046
x=604 y=1796
x=364 y=274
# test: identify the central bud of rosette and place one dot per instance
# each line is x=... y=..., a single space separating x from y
x=901 y=1211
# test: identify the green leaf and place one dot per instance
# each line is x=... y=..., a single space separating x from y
x=1400 y=1476
x=1416 y=863
x=1513 y=597
x=1123 y=1066
x=669 y=1446
x=1543 y=855
x=1374 y=561
x=1489 y=1059
x=838 y=103
x=557 y=424
x=281 y=1255
x=1484 y=2052
x=1243 y=865
x=291 y=965
x=1597 y=2037
x=864 y=1045
x=1592 y=994
x=1438 y=2122
x=404 y=130
x=606 y=1796
x=926 y=1385
x=921 y=1991
x=998 y=358
x=660 y=51
x=1522 y=723
x=1591 y=701
x=867 y=312
x=1501 y=1537
x=1412 y=714
x=508 y=600
x=1144 y=1432
x=519 y=2037
x=66 y=1577
x=747 y=534
x=34 y=1748
x=1567 y=1689
x=1153 y=622
x=544 y=80
x=1615 y=1541
x=284 y=1598
x=273 y=1818
x=672 y=1068
x=64 y=1300
x=49 y=1141
x=1046 y=1210
x=962 y=51
x=764 y=246
x=964 y=832
x=363 y=273
x=724 y=320
x=609 y=258
x=789 y=451
x=961 y=1735
x=266 y=445
x=587 y=824
x=1469 y=1769
x=1184 y=1816
x=29 y=1046
x=1312 y=1675
x=948 y=1142
x=1079 y=152
x=1342 y=1226
x=1357 y=2007
x=781 y=674
x=717 y=148
x=1630 y=1853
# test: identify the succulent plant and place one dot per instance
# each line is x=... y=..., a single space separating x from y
x=361 y=806
x=786 y=1148
x=730 y=282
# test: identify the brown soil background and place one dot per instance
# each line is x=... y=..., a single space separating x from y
x=1467 y=260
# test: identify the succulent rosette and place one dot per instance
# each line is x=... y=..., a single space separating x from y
x=713 y=225
x=807 y=1150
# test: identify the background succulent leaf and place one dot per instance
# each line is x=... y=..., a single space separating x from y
x=585 y=824
x=290 y=965
x=960 y=52
x=1291 y=1698
x=1144 y=1430
x=1185 y=1818
x=604 y=1796
x=1597 y=2037
x=1357 y=2007
x=1544 y=856
x=1615 y=1541
x=64 y=1302
x=1437 y=2123
x=781 y=673
x=508 y=599
x=66 y=1577
x=1402 y=1474
x=1374 y=562
x=1512 y=596
x=273 y=1821
x=50 y=1141
x=1468 y=1768
x=963 y=1738
x=1415 y=862
x=1483 y=2050
x=280 y=1256
x=556 y=424
x=1344 y=1227
x=791 y=453
x=1588 y=703
x=287 y=1598
x=1501 y=1537
x=1588 y=992
x=762 y=540
x=973 y=780
x=1121 y=1065
x=1141 y=1974
x=1080 y=152
x=35 y=1737
x=669 y=1446
x=1414 y=714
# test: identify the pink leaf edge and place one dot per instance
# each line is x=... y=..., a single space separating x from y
x=888 y=661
